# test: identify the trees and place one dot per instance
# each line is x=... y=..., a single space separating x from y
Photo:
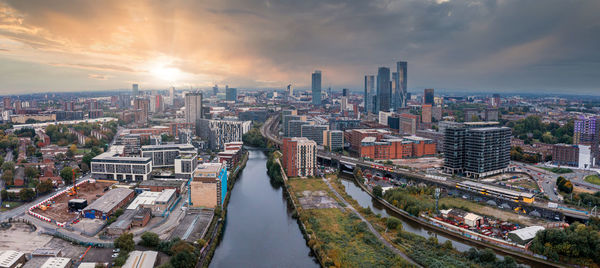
x=183 y=259
x=564 y=185
x=67 y=175
x=8 y=166
x=31 y=172
x=378 y=191
x=44 y=187
x=150 y=239
x=125 y=242
x=393 y=223
x=577 y=241
x=26 y=194
x=8 y=177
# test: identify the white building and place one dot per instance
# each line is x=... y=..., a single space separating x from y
x=219 y=132
x=111 y=166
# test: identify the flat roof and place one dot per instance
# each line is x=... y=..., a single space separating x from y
x=369 y=139
x=203 y=169
x=169 y=146
x=162 y=183
x=145 y=198
x=165 y=195
x=109 y=200
x=9 y=257
x=113 y=157
x=141 y=259
x=56 y=262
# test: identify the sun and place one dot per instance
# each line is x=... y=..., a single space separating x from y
x=166 y=73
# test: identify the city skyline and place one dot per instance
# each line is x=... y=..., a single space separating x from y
x=481 y=46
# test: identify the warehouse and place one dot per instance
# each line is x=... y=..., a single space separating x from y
x=157 y=202
x=106 y=205
x=524 y=235
x=57 y=262
x=141 y=259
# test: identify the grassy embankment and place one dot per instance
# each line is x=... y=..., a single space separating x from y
x=340 y=238
x=594 y=179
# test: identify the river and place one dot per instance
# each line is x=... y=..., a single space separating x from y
x=259 y=228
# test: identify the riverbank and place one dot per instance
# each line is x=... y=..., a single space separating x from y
x=215 y=230
x=459 y=235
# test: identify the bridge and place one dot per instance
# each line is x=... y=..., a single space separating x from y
x=449 y=184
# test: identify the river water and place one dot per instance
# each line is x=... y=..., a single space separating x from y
x=259 y=228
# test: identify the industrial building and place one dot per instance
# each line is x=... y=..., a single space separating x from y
x=107 y=204
x=111 y=166
x=157 y=202
x=57 y=262
x=524 y=235
x=141 y=259
x=160 y=185
x=11 y=259
x=208 y=187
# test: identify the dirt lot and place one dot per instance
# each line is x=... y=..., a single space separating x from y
x=316 y=199
x=19 y=237
x=492 y=211
x=59 y=210
x=421 y=163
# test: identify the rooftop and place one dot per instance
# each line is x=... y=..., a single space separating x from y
x=527 y=232
x=161 y=183
x=109 y=200
x=145 y=198
x=56 y=262
x=141 y=259
x=9 y=257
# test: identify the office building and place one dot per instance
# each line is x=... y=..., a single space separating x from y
x=135 y=91
x=208 y=187
x=345 y=92
x=185 y=136
x=402 y=83
x=383 y=117
x=295 y=127
x=163 y=156
x=343 y=123
x=299 y=157
x=426 y=112
x=369 y=93
x=409 y=123
x=286 y=118
x=215 y=90
x=231 y=94
x=219 y=132
x=334 y=140
x=142 y=109
x=316 y=87
x=313 y=132
x=495 y=101
x=111 y=166
x=428 y=97
x=476 y=151
x=384 y=91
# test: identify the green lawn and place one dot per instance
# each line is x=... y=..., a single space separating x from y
x=11 y=204
x=594 y=179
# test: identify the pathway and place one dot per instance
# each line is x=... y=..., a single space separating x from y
x=377 y=234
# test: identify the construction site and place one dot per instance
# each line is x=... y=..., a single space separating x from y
x=57 y=209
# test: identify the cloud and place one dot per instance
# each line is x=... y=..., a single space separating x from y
x=458 y=44
x=99 y=76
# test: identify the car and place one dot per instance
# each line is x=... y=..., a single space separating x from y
x=116 y=250
x=115 y=255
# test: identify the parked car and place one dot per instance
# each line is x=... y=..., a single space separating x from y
x=116 y=250
x=115 y=255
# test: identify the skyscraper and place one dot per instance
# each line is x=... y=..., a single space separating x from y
x=401 y=69
x=316 y=88
x=215 y=90
x=193 y=107
x=290 y=90
x=396 y=101
x=428 y=96
x=231 y=94
x=369 y=88
x=384 y=91
x=345 y=92
x=171 y=95
x=135 y=90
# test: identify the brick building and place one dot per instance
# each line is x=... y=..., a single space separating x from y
x=299 y=157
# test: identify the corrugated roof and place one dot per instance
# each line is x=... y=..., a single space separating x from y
x=109 y=200
x=527 y=233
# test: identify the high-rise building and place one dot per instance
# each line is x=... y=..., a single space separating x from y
x=290 y=90
x=208 y=187
x=384 y=91
x=7 y=103
x=586 y=131
x=316 y=87
x=401 y=69
x=396 y=101
x=157 y=104
x=171 y=95
x=495 y=101
x=299 y=157
x=231 y=94
x=476 y=151
x=142 y=108
x=219 y=132
x=215 y=90
x=369 y=92
x=345 y=92
x=333 y=139
x=193 y=108
x=428 y=96
x=426 y=112
x=135 y=90
x=313 y=132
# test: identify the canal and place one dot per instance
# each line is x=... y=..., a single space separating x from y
x=259 y=228
x=365 y=200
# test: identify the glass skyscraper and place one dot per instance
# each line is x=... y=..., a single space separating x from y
x=384 y=90
x=316 y=87
x=369 y=88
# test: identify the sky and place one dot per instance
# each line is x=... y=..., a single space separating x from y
x=469 y=45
